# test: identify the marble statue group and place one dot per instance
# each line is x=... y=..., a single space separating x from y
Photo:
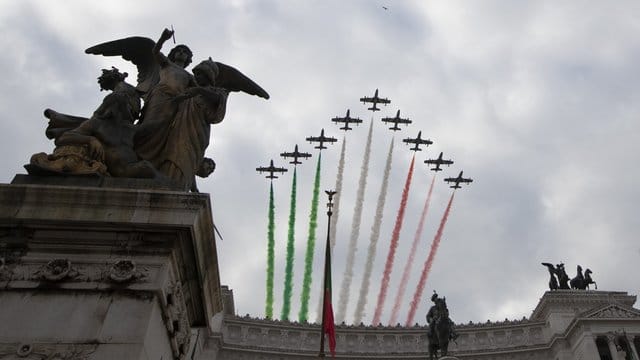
x=158 y=129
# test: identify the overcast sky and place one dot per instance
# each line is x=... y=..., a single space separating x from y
x=537 y=101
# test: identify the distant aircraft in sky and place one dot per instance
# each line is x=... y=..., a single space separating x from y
x=346 y=121
x=457 y=181
x=295 y=154
x=417 y=141
x=321 y=140
x=396 y=121
x=375 y=100
x=437 y=162
x=271 y=170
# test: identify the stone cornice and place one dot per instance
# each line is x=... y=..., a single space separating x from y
x=43 y=223
x=526 y=338
x=578 y=300
x=612 y=312
x=260 y=335
x=103 y=206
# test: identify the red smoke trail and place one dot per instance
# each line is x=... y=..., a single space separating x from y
x=384 y=285
x=412 y=255
x=427 y=264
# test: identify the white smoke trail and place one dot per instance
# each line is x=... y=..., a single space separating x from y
x=375 y=235
x=343 y=298
x=334 y=217
x=337 y=196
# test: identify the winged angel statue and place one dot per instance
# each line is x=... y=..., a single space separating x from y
x=172 y=130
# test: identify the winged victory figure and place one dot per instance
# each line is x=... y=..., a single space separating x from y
x=179 y=107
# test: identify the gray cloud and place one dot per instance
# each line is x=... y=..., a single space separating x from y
x=537 y=101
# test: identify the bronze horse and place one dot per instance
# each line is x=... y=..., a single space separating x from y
x=582 y=281
x=441 y=333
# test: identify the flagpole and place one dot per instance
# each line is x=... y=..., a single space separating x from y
x=327 y=269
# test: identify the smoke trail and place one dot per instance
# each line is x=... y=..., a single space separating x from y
x=288 y=272
x=412 y=255
x=355 y=231
x=388 y=267
x=270 y=256
x=427 y=264
x=334 y=218
x=311 y=244
x=337 y=196
x=373 y=240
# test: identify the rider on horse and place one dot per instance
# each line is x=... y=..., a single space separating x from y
x=439 y=312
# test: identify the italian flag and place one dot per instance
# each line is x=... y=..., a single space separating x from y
x=328 y=326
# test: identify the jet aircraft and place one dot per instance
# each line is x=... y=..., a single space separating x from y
x=346 y=120
x=417 y=141
x=295 y=155
x=271 y=170
x=321 y=140
x=375 y=100
x=396 y=120
x=457 y=181
x=437 y=162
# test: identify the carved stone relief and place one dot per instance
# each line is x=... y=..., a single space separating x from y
x=177 y=322
x=63 y=270
x=27 y=351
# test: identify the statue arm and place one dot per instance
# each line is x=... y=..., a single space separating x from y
x=160 y=58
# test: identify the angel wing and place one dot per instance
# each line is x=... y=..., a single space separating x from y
x=232 y=79
x=139 y=51
x=552 y=269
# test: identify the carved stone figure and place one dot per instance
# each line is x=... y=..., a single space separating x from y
x=173 y=131
x=180 y=154
x=553 y=282
x=560 y=280
x=102 y=144
x=581 y=281
x=563 y=278
x=441 y=328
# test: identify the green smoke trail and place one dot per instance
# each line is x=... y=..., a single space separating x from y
x=270 y=256
x=311 y=244
x=288 y=271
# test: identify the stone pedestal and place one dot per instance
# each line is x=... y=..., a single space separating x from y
x=104 y=272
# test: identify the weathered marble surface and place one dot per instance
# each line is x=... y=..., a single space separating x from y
x=537 y=338
x=103 y=272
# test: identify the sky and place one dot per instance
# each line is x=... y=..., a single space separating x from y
x=537 y=101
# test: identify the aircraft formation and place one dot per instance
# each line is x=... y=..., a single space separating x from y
x=346 y=121
x=437 y=162
x=295 y=154
x=321 y=142
x=271 y=170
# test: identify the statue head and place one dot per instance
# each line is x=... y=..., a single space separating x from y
x=434 y=297
x=110 y=78
x=179 y=51
x=206 y=72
